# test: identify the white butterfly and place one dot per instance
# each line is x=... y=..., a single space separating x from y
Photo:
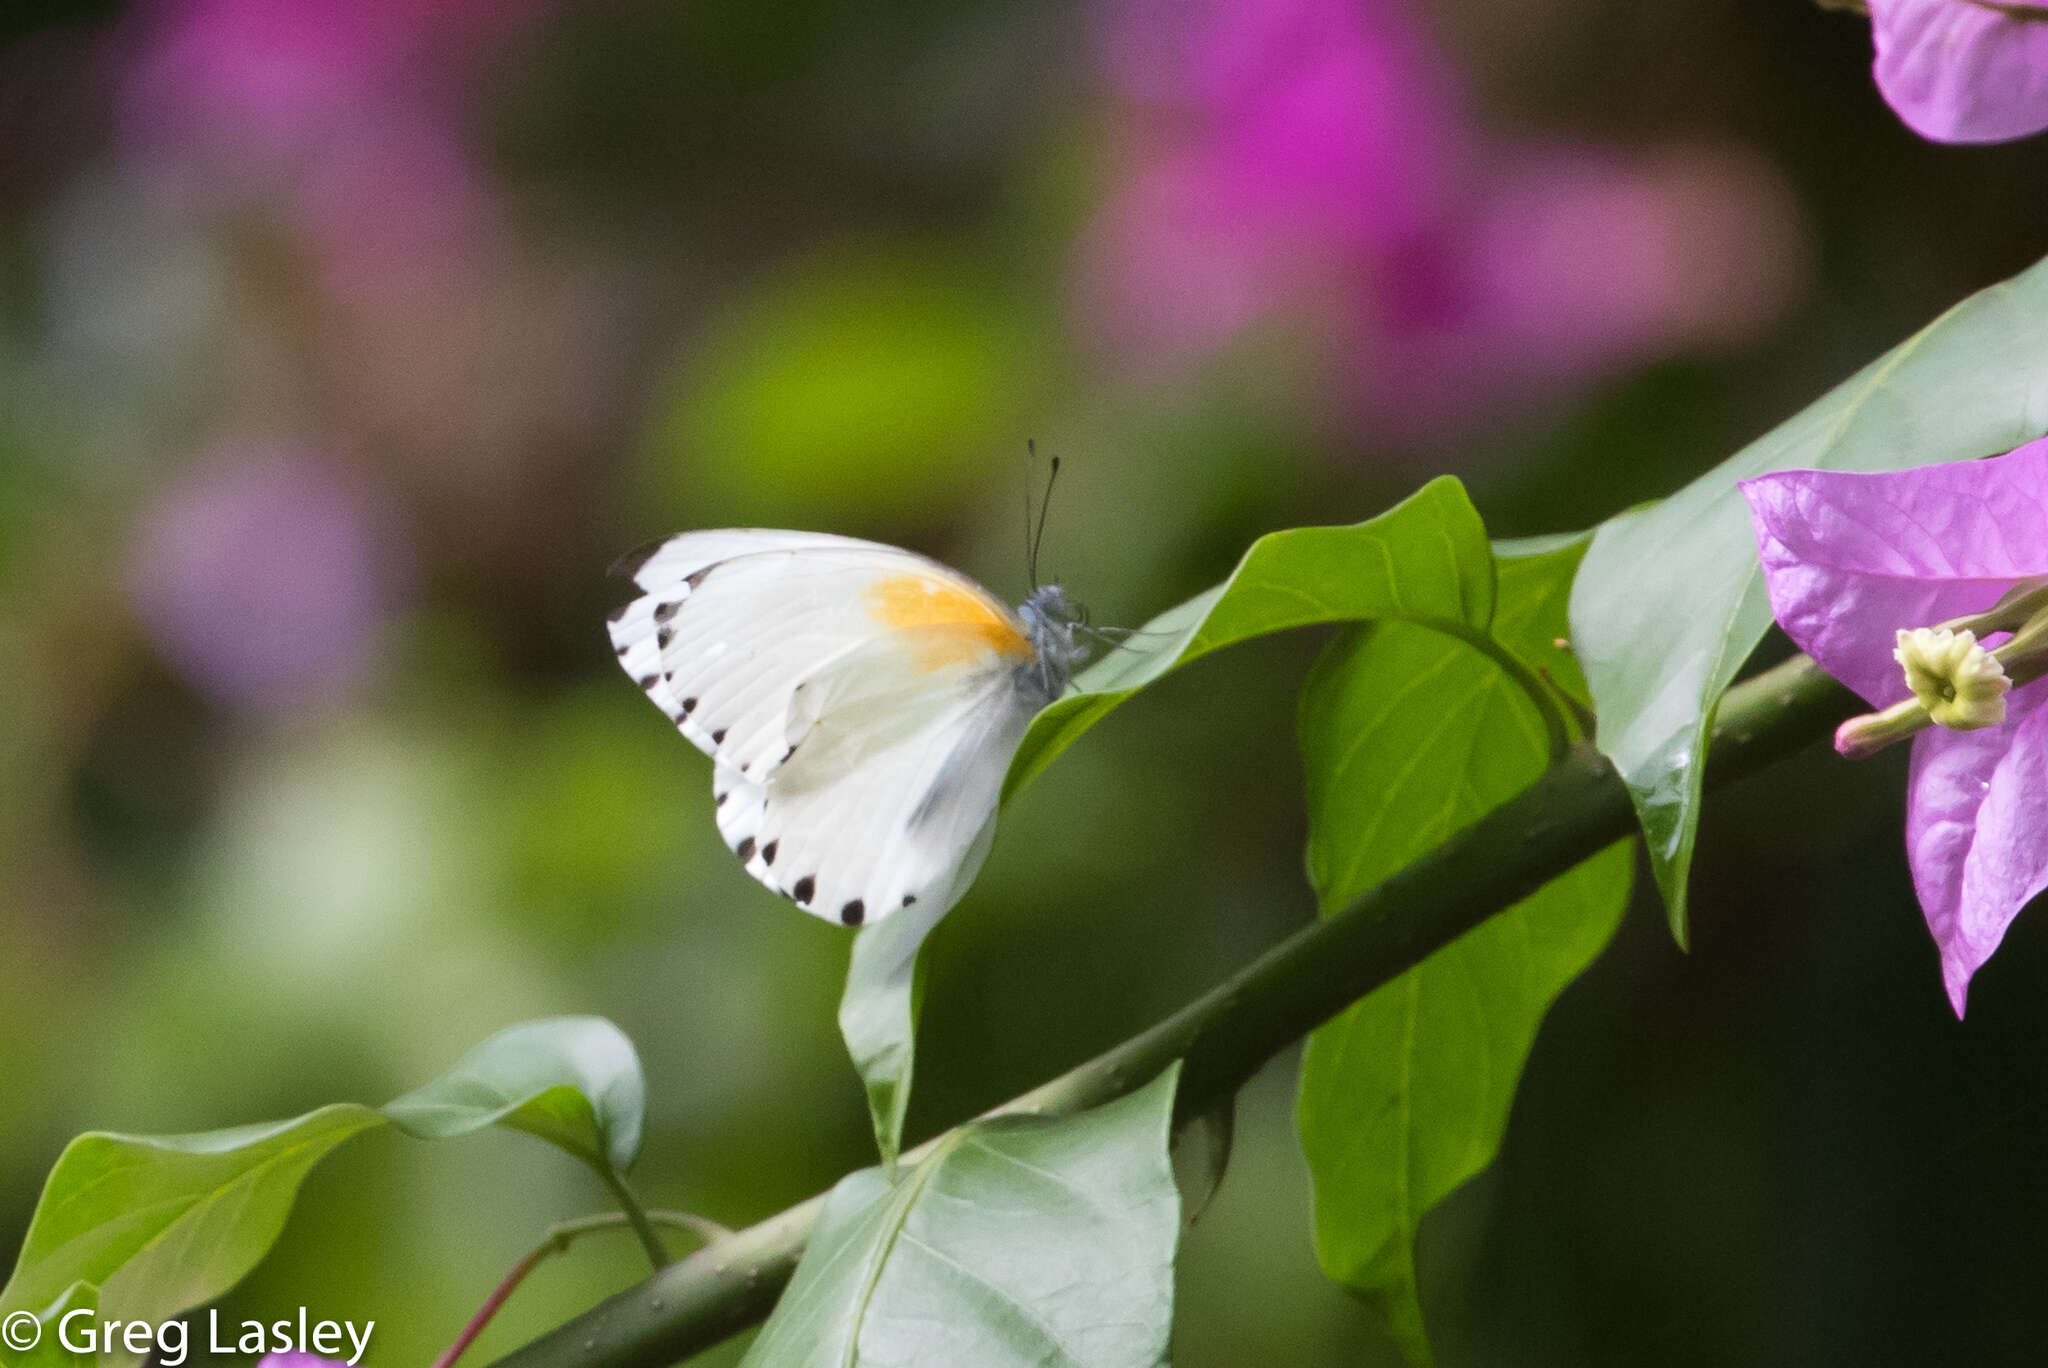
x=861 y=704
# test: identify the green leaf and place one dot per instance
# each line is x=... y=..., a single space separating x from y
x=1201 y=1156
x=1424 y=560
x=879 y=1008
x=1671 y=601
x=573 y=1081
x=1018 y=1241
x=1408 y=735
x=161 y=1224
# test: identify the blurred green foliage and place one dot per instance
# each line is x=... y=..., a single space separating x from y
x=867 y=386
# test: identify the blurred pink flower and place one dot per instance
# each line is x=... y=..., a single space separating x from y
x=348 y=111
x=1571 y=265
x=1851 y=560
x=262 y=578
x=1964 y=71
x=252 y=87
x=272 y=74
x=443 y=344
x=1313 y=160
x=391 y=201
x=1294 y=136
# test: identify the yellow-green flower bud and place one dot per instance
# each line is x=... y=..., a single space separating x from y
x=1960 y=684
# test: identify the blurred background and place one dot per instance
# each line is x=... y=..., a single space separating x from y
x=344 y=343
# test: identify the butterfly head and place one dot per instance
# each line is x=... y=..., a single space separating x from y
x=1052 y=620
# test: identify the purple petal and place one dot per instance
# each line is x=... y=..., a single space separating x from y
x=1977 y=833
x=1960 y=71
x=1850 y=558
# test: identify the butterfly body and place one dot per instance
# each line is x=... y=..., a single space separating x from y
x=860 y=704
x=1049 y=619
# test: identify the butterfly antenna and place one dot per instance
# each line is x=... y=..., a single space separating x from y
x=1030 y=469
x=1045 y=505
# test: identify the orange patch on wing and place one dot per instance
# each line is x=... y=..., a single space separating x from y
x=951 y=625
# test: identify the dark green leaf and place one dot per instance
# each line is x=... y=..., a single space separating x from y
x=1406 y=736
x=1670 y=601
x=1017 y=1241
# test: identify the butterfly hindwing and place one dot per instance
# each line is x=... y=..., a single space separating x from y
x=855 y=845
x=860 y=704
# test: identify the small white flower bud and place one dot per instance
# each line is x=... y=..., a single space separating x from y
x=1960 y=684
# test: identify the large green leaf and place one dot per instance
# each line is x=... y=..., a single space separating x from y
x=1406 y=736
x=1424 y=560
x=1670 y=600
x=572 y=1081
x=1016 y=1241
x=160 y=1224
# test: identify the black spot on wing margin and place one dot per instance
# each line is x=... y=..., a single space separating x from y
x=629 y=564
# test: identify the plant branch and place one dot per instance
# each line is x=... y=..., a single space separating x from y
x=560 y=1236
x=1575 y=809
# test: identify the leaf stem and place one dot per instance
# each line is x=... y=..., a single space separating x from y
x=636 y=1215
x=1578 y=807
x=560 y=1236
x=1536 y=687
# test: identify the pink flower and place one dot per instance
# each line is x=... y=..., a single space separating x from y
x=1851 y=560
x=1314 y=161
x=1964 y=71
